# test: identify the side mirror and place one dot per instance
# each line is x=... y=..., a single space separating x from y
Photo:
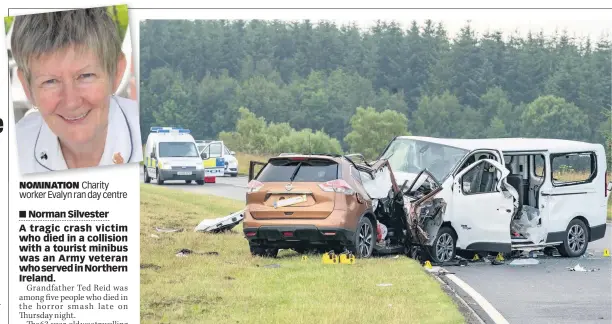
x=610 y=186
x=204 y=156
x=467 y=186
x=232 y=153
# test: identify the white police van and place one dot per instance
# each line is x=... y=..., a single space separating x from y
x=172 y=154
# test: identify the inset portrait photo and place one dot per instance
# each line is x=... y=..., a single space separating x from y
x=72 y=84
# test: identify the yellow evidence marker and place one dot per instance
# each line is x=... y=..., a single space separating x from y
x=330 y=258
x=606 y=252
x=476 y=257
x=304 y=258
x=427 y=264
x=347 y=258
x=499 y=257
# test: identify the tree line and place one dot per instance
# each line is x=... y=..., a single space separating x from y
x=313 y=78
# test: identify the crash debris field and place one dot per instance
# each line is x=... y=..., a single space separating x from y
x=214 y=273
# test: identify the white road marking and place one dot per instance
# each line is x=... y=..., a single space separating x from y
x=463 y=302
x=486 y=306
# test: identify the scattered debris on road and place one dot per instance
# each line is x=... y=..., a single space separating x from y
x=154 y=236
x=221 y=224
x=186 y=252
x=384 y=285
x=524 y=262
x=579 y=268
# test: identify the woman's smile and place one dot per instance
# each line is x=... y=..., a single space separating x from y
x=74 y=119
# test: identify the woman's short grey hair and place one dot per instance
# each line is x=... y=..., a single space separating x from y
x=45 y=33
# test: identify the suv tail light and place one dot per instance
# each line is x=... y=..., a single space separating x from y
x=339 y=186
x=254 y=186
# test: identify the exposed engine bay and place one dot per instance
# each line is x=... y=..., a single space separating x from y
x=408 y=213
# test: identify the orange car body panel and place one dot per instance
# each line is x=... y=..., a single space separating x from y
x=322 y=209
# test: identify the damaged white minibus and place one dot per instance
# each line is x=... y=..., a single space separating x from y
x=498 y=195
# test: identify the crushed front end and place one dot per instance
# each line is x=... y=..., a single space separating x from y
x=409 y=214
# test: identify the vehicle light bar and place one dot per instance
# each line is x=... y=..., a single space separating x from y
x=179 y=130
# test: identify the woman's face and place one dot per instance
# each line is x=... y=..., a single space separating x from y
x=72 y=90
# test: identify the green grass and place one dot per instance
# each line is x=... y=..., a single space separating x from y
x=245 y=158
x=234 y=287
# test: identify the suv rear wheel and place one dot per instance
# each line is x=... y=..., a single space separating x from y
x=364 y=239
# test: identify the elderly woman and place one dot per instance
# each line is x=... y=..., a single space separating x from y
x=70 y=64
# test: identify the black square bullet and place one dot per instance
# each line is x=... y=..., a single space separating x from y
x=22 y=214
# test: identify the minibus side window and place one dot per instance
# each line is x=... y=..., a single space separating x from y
x=573 y=168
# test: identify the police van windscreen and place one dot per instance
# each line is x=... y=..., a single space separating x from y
x=178 y=149
x=309 y=170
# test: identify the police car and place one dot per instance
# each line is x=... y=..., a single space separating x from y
x=218 y=151
x=172 y=154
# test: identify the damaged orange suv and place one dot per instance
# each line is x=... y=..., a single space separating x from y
x=304 y=202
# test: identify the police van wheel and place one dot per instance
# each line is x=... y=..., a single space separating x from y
x=200 y=182
x=158 y=178
x=147 y=179
x=187 y=181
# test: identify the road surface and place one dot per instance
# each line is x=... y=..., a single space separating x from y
x=228 y=187
x=544 y=293
x=547 y=292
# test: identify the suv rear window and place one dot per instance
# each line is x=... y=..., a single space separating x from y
x=311 y=170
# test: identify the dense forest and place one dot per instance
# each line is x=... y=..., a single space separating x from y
x=259 y=84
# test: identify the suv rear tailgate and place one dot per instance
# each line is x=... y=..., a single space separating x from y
x=283 y=179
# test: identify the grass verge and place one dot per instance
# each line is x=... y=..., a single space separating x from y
x=234 y=287
x=245 y=158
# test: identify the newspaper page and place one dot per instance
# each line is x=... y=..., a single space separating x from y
x=74 y=146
